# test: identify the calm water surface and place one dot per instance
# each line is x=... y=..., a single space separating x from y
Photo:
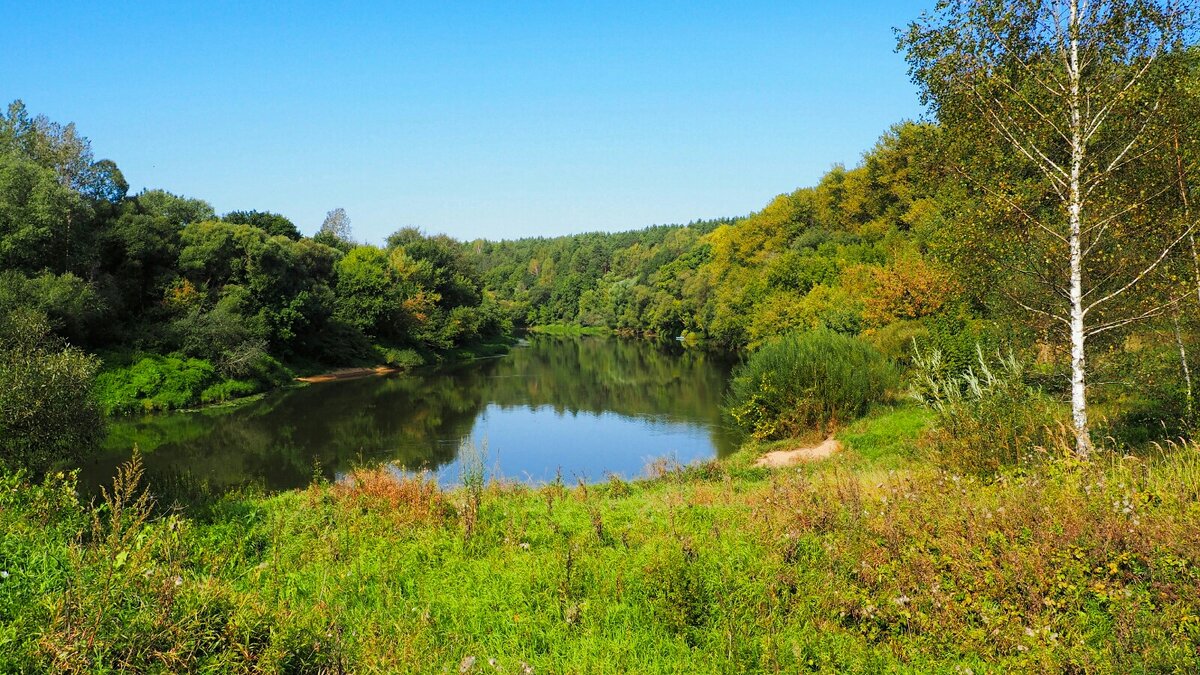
x=585 y=407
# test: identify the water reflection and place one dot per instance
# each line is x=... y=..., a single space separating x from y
x=585 y=406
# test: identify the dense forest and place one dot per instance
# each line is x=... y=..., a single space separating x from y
x=185 y=306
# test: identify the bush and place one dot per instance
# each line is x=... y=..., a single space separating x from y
x=987 y=417
x=174 y=381
x=48 y=412
x=809 y=380
x=228 y=390
x=400 y=357
x=155 y=383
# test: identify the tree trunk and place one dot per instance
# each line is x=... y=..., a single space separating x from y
x=1079 y=417
x=1187 y=372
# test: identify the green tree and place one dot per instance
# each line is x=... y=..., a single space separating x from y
x=48 y=414
x=365 y=289
x=41 y=222
x=1055 y=108
x=271 y=223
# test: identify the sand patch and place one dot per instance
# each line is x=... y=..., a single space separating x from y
x=781 y=458
x=347 y=373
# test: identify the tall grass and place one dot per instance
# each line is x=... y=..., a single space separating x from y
x=987 y=417
x=473 y=473
x=805 y=381
x=1075 y=567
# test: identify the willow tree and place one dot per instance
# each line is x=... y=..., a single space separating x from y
x=1057 y=109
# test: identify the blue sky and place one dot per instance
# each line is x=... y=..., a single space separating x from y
x=497 y=119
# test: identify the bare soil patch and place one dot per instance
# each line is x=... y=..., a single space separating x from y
x=781 y=458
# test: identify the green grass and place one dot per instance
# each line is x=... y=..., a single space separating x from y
x=875 y=562
x=888 y=438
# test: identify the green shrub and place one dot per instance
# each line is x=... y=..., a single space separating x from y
x=987 y=417
x=808 y=380
x=48 y=411
x=155 y=383
x=228 y=390
x=403 y=358
x=172 y=382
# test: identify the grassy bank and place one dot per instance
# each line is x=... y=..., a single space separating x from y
x=133 y=382
x=873 y=561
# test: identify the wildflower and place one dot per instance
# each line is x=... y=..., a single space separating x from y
x=178 y=581
x=525 y=546
x=3 y=574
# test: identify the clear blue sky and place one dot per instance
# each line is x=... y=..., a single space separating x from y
x=491 y=119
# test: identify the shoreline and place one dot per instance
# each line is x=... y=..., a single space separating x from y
x=348 y=374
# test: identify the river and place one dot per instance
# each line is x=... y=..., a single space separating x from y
x=582 y=408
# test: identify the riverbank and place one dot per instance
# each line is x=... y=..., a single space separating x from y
x=134 y=382
x=869 y=561
x=568 y=330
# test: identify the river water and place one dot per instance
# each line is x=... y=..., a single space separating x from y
x=582 y=408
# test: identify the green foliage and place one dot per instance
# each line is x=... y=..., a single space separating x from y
x=131 y=383
x=403 y=358
x=155 y=383
x=158 y=273
x=566 y=329
x=888 y=436
x=48 y=412
x=271 y=223
x=228 y=390
x=807 y=381
x=846 y=255
x=36 y=214
x=71 y=305
x=986 y=418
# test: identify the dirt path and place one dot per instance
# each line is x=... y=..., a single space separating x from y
x=781 y=458
x=347 y=373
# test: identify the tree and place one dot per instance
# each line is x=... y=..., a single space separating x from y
x=365 y=289
x=48 y=413
x=60 y=148
x=1056 y=109
x=36 y=217
x=271 y=223
x=336 y=226
x=177 y=210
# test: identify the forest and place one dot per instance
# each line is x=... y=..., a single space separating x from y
x=185 y=307
x=994 y=316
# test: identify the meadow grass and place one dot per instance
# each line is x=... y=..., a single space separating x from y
x=873 y=562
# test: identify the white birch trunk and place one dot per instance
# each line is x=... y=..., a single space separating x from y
x=1187 y=371
x=1079 y=417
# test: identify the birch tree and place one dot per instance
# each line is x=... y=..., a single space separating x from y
x=1056 y=109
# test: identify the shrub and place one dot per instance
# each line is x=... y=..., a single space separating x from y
x=155 y=383
x=48 y=412
x=228 y=390
x=810 y=380
x=987 y=417
x=403 y=358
